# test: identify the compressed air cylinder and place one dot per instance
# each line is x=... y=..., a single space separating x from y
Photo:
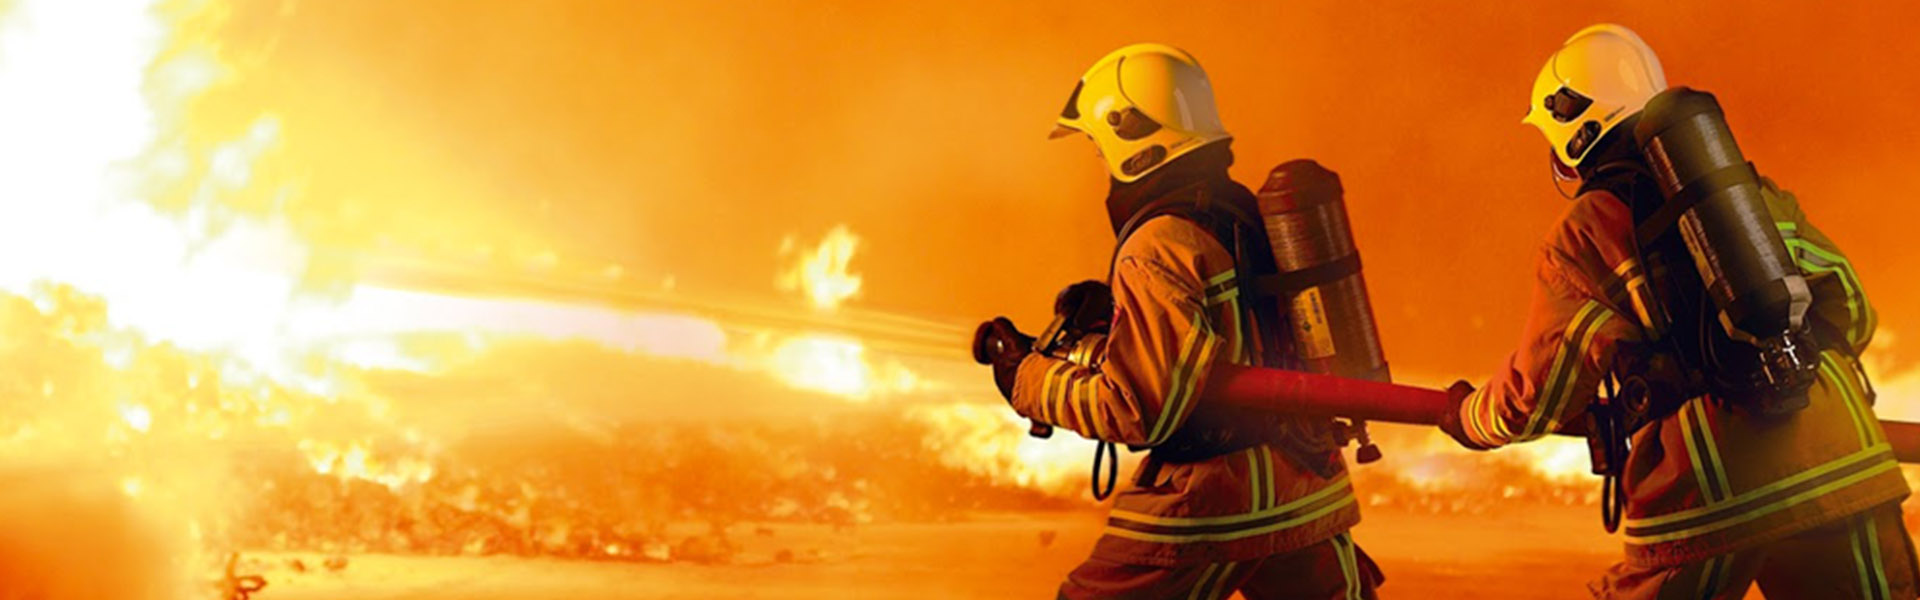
x=1742 y=259
x=1325 y=295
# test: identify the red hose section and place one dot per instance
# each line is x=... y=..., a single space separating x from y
x=1316 y=395
x=1313 y=394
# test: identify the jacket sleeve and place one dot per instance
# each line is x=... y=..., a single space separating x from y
x=1567 y=347
x=1159 y=349
x=1839 y=302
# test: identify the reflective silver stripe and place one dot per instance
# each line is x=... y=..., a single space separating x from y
x=1578 y=338
x=1811 y=257
x=1048 y=382
x=1864 y=539
x=1862 y=423
x=1765 y=500
x=1185 y=375
x=1703 y=428
x=1205 y=578
x=1254 y=501
x=1241 y=332
x=1270 y=489
x=1220 y=583
x=1187 y=348
x=1083 y=407
x=1349 y=566
x=1713 y=576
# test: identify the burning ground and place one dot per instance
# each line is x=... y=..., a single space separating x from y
x=543 y=448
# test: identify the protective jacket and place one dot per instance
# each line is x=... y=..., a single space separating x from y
x=1177 y=313
x=1706 y=479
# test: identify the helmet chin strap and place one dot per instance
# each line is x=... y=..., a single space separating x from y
x=1562 y=176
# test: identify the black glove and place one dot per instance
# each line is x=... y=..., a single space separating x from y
x=1450 y=421
x=999 y=344
x=1087 y=306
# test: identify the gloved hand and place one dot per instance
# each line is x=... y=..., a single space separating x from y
x=1087 y=306
x=999 y=344
x=1450 y=421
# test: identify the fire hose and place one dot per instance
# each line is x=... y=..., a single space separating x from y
x=1313 y=394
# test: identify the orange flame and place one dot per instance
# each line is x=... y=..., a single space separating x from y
x=822 y=274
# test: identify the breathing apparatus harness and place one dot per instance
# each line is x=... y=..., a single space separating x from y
x=1727 y=325
x=1311 y=444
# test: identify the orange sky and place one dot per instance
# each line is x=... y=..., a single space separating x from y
x=687 y=139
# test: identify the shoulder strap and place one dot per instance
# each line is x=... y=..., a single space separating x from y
x=1670 y=211
x=1287 y=284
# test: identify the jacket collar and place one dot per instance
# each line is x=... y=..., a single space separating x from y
x=1204 y=165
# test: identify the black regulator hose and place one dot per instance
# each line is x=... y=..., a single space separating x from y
x=1112 y=455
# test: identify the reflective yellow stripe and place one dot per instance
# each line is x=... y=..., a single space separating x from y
x=1873 y=546
x=1224 y=536
x=1763 y=511
x=1205 y=578
x=1270 y=485
x=1566 y=366
x=1343 y=546
x=1867 y=563
x=1488 y=427
x=1084 y=407
x=1784 y=482
x=1707 y=583
x=1220 y=583
x=1860 y=564
x=1048 y=382
x=1470 y=417
x=1842 y=269
x=1493 y=417
x=1851 y=388
x=1187 y=348
x=1860 y=426
x=1222 y=277
x=1228 y=294
x=1334 y=486
x=1573 y=373
x=1240 y=333
x=1636 y=300
x=1187 y=379
x=1694 y=454
x=1712 y=576
x=1620 y=272
x=1254 y=489
x=1714 y=464
x=1070 y=379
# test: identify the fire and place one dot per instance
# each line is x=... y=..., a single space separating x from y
x=356 y=461
x=168 y=334
x=247 y=410
x=835 y=366
x=137 y=417
x=822 y=274
x=990 y=440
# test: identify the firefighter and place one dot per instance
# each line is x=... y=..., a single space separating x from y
x=1717 y=495
x=1209 y=511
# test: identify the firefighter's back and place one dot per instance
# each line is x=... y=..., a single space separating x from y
x=1237 y=505
x=1709 y=479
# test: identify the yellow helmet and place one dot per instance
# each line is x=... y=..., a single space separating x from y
x=1143 y=105
x=1602 y=75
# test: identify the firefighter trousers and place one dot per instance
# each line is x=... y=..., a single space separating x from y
x=1867 y=556
x=1335 y=569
